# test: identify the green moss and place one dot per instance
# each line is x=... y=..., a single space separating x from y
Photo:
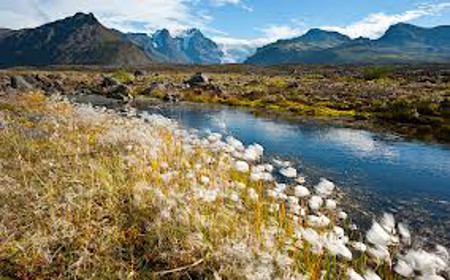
x=122 y=76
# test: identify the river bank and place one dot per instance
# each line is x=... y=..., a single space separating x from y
x=88 y=192
x=412 y=101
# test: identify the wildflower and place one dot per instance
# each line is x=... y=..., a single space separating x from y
x=266 y=176
x=359 y=246
x=242 y=166
x=272 y=194
x=214 y=137
x=210 y=195
x=301 y=191
x=353 y=275
x=234 y=197
x=280 y=187
x=342 y=215
x=323 y=221
x=289 y=172
x=442 y=252
x=300 y=180
x=380 y=253
x=430 y=277
x=252 y=194
x=274 y=208
x=236 y=144
x=331 y=204
x=255 y=177
x=339 y=231
x=315 y=202
x=295 y=209
x=336 y=247
x=313 y=238
x=253 y=152
x=403 y=269
x=292 y=200
x=370 y=275
x=324 y=188
x=404 y=233
x=281 y=163
x=378 y=236
x=388 y=223
x=426 y=263
x=268 y=168
x=205 y=180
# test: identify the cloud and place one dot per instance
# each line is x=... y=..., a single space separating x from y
x=376 y=24
x=275 y=32
x=119 y=14
x=239 y=3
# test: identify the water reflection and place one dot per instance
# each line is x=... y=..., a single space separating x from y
x=384 y=173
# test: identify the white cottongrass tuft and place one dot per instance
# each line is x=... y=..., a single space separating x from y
x=370 y=275
x=313 y=238
x=330 y=204
x=289 y=172
x=378 y=236
x=425 y=262
x=379 y=253
x=252 y=194
x=325 y=187
x=388 y=223
x=342 y=215
x=359 y=246
x=353 y=275
x=301 y=191
x=315 y=202
x=404 y=233
x=404 y=269
x=242 y=166
x=253 y=153
x=236 y=144
x=300 y=180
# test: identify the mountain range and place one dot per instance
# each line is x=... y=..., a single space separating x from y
x=82 y=40
x=402 y=43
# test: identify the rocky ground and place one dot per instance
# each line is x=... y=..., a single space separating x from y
x=412 y=101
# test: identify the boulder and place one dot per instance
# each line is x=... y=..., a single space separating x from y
x=108 y=82
x=197 y=79
x=119 y=92
x=140 y=73
x=172 y=96
x=19 y=82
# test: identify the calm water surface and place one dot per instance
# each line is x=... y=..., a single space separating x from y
x=379 y=172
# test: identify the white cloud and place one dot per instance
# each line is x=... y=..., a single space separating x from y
x=239 y=3
x=375 y=25
x=130 y=15
x=275 y=32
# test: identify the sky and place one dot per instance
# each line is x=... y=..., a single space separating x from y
x=239 y=26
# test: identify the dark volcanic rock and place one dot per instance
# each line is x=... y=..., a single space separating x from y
x=197 y=79
x=108 y=82
x=120 y=92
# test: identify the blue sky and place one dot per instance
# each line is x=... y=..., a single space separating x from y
x=238 y=25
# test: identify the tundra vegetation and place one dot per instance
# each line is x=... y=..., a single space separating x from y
x=411 y=100
x=92 y=193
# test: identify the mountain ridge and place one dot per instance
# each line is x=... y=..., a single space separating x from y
x=401 y=43
x=82 y=40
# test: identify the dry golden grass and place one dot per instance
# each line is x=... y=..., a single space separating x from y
x=88 y=194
